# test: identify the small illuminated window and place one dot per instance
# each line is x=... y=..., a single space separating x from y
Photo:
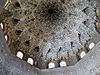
x=1 y=24
x=91 y=45
x=6 y=37
x=63 y=64
x=20 y=55
x=51 y=65
x=82 y=54
x=30 y=61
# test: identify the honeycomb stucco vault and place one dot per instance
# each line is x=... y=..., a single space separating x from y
x=61 y=33
x=51 y=30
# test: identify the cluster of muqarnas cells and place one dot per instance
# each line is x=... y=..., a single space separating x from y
x=51 y=31
x=49 y=12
